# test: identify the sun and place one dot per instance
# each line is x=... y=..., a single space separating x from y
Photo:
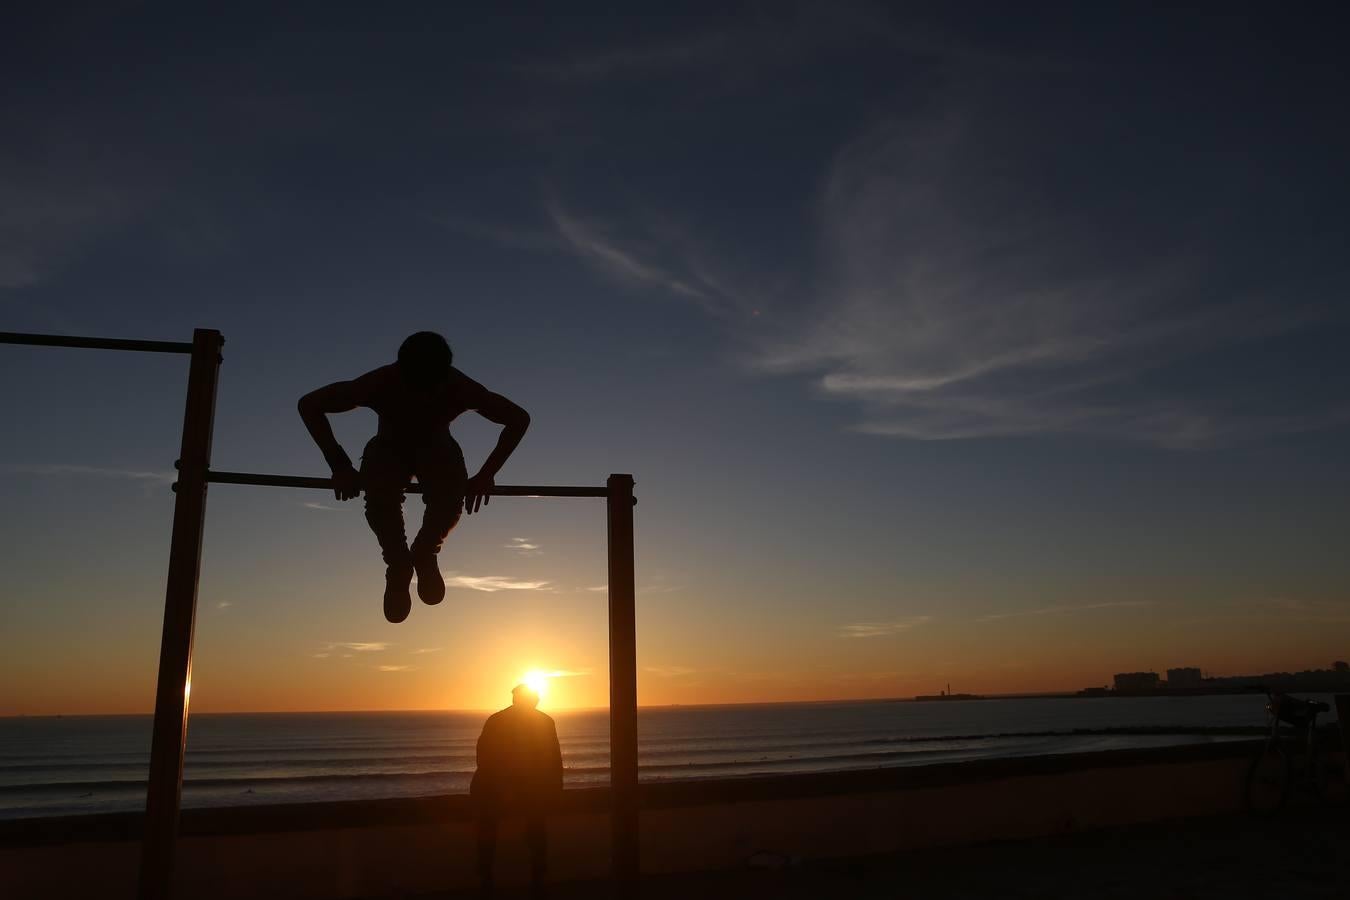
x=537 y=681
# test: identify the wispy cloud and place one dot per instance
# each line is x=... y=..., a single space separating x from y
x=958 y=302
x=320 y=655
x=359 y=646
x=310 y=504
x=658 y=583
x=954 y=299
x=225 y=604
x=881 y=629
x=523 y=545
x=492 y=583
x=598 y=588
x=589 y=240
x=394 y=668
x=1055 y=610
x=422 y=650
x=567 y=673
x=142 y=475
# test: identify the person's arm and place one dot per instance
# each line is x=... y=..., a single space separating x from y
x=339 y=397
x=488 y=753
x=514 y=420
x=556 y=761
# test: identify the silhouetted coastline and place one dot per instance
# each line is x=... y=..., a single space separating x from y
x=1189 y=682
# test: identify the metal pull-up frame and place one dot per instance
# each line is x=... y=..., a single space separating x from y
x=174 y=684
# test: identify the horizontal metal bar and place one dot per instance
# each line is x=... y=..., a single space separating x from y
x=94 y=343
x=301 y=481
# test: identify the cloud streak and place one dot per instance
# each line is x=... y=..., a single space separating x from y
x=881 y=629
x=493 y=583
x=589 y=241
x=961 y=298
x=359 y=646
x=964 y=288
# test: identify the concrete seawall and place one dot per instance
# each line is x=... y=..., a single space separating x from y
x=362 y=849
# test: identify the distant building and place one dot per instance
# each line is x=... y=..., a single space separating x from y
x=1184 y=679
x=1137 y=682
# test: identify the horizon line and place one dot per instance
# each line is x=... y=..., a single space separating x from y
x=566 y=709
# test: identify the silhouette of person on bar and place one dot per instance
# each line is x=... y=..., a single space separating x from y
x=519 y=774
x=416 y=399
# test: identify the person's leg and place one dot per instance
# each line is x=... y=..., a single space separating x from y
x=440 y=470
x=537 y=834
x=385 y=470
x=487 y=847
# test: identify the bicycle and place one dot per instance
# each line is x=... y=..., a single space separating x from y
x=1289 y=757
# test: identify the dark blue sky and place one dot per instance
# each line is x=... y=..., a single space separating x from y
x=959 y=329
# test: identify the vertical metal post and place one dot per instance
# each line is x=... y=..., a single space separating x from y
x=623 y=743
x=180 y=607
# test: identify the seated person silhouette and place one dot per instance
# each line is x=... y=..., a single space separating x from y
x=415 y=399
x=519 y=774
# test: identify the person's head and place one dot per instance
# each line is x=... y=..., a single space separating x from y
x=424 y=359
x=524 y=696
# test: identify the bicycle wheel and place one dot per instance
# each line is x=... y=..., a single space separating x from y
x=1268 y=779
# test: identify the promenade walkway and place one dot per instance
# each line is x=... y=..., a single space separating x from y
x=1305 y=854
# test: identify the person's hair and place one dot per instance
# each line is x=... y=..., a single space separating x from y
x=424 y=358
x=526 y=692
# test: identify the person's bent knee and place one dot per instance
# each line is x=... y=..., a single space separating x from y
x=444 y=503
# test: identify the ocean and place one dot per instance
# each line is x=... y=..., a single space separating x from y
x=52 y=766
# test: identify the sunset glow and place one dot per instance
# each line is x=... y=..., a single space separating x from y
x=537 y=681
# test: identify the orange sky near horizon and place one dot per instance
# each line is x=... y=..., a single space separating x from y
x=1050 y=655
x=289 y=611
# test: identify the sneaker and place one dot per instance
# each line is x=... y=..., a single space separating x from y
x=397 y=600
x=430 y=584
